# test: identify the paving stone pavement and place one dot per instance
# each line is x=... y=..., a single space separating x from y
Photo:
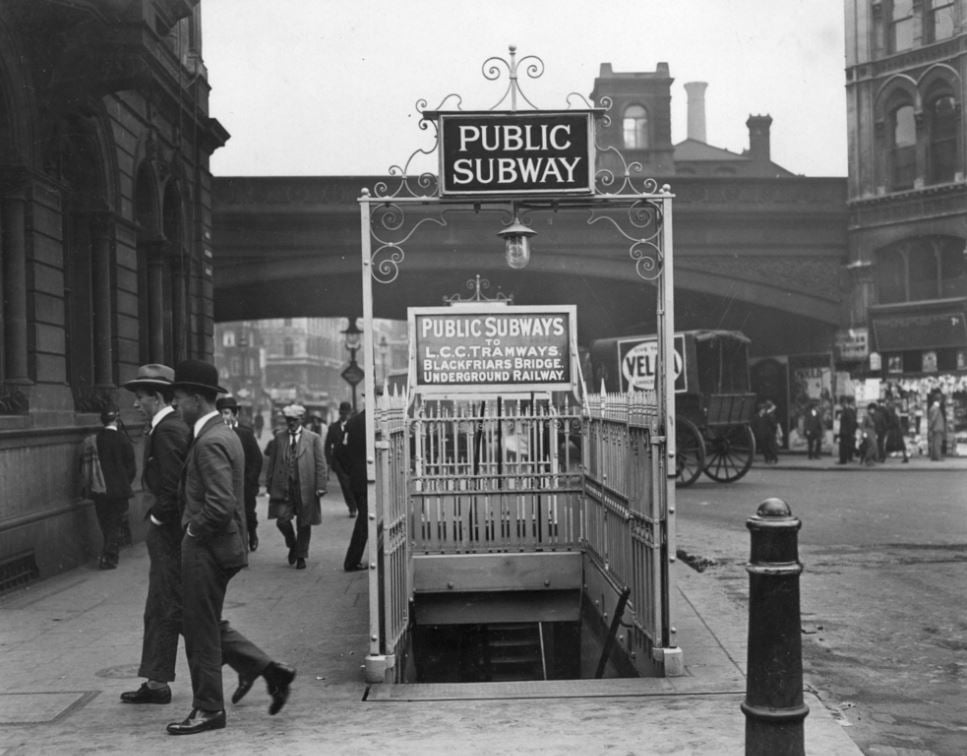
x=71 y=644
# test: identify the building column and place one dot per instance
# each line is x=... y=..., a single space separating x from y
x=102 y=237
x=12 y=213
x=155 y=255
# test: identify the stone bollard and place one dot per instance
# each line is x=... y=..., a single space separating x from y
x=773 y=707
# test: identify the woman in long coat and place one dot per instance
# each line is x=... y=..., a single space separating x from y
x=296 y=478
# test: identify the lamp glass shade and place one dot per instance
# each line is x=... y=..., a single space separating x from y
x=518 y=251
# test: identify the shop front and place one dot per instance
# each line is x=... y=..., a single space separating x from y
x=920 y=354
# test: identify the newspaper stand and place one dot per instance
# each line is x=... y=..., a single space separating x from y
x=501 y=490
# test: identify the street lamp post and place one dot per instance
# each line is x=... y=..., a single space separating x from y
x=353 y=374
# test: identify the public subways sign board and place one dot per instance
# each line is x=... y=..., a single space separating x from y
x=492 y=348
x=540 y=152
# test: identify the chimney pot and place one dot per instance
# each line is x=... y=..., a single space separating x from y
x=695 y=91
x=759 y=148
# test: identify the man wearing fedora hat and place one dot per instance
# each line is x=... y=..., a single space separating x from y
x=228 y=406
x=165 y=445
x=213 y=550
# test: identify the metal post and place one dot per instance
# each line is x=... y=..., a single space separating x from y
x=773 y=707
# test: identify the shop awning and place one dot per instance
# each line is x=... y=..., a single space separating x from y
x=926 y=327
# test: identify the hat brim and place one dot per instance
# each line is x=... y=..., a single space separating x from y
x=148 y=383
x=193 y=384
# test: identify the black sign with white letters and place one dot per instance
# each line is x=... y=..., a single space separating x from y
x=542 y=152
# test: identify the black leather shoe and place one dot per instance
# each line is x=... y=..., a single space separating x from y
x=198 y=721
x=244 y=686
x=279 y=678
x=253 y=542
x=292 y=556
x=300 y=564
x=352 y=512
x=146 y=695
x=354 y=567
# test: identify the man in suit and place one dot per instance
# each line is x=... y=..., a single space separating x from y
x=165 y=444
x=352 y=455
x=228 y=406
x=334 y=438
x=213 y=550
x=296 y=481
x=115 y=456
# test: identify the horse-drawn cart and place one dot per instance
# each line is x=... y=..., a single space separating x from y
x=713 y=404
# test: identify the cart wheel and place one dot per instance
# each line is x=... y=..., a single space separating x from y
x=690 y=449
x=730 y=453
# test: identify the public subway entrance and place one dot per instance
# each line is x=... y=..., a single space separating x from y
x=536 y=536
x=521 y=526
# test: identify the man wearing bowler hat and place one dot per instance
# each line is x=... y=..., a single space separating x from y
x=228 y=406
x=165 y=445
x=335 y=455
x=213 y=549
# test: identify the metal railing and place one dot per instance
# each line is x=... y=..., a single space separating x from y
x=473 y=478
x=624 y=511
x=494 y=476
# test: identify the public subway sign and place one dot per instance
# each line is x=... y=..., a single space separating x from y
x=479 y=348
x=539 y=152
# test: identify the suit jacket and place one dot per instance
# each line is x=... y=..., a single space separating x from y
x=311 y=464
x=164 y=457
x=213 y=491
x=355 y=455
x=253 y=455
x=117 y=463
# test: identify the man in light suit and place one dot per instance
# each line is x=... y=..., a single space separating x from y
x=296 y=478
x=213 y=549
x=165 y=445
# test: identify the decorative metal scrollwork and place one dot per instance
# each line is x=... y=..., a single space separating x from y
x=494 y=67
x=390 y=234
x=643 y=226
x=478 y=285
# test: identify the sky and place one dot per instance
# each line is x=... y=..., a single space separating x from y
x=330 y=87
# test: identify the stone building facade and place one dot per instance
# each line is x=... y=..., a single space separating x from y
x=906 y=81
x=105 y=213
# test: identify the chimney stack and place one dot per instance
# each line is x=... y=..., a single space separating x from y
x=695 y=91
x=759 y=148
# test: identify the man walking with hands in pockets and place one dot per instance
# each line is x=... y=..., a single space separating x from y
x=213 y=550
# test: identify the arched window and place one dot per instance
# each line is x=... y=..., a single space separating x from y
x=903 y=148
x=228 y=339
x=944 y=125
x=921 y=269
x=891 y=276
x=635 y=128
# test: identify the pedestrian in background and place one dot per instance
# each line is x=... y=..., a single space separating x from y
x=847 y=430
x=296 y=481
x=771 y=433
x=352 y=455
x=895 y=441
x=880 y=424
x=165 y=446
x=334 y=439
x=869 y=452
x=107 y=469
x=213 y=550
x=228 y=407
x=813 y=430
x=936 y=428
